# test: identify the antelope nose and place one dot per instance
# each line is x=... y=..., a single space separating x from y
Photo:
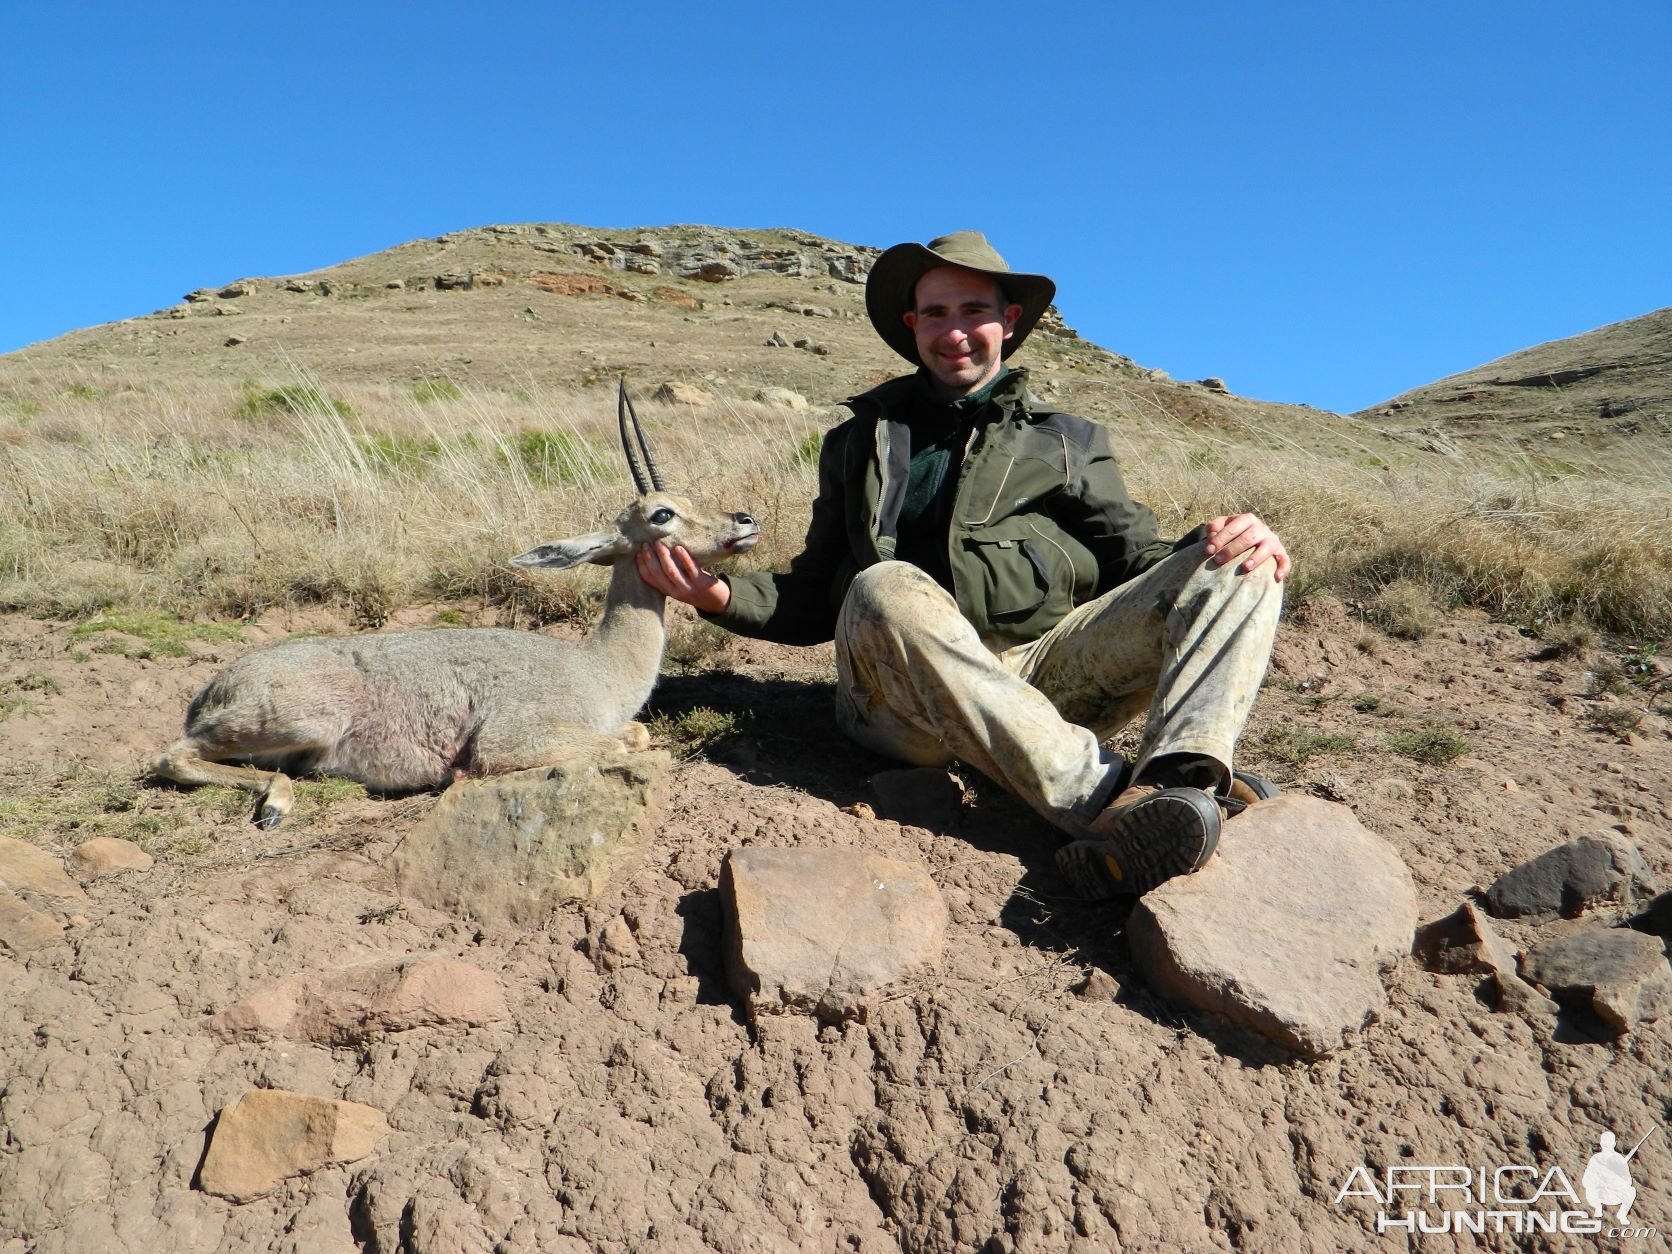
x=743 y=520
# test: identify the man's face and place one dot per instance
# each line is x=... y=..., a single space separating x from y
x=961 y=323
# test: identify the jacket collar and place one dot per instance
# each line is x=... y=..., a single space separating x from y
x=1009 y=393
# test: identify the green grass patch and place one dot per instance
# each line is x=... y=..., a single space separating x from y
x=398 y=452
x=557 y=457
x=428 y=391
x=293 y=398
x=1433 y=743
x=807 y=452
x=148 y=633
x=694 y=730
x=1295 y=745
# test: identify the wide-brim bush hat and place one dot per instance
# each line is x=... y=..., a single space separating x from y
x=891 y=290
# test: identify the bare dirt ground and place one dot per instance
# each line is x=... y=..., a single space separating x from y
x=1033 y=1096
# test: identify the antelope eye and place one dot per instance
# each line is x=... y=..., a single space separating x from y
x=663 y=515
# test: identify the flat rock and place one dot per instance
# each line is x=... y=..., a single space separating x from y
x=1566 y=881
x=104 y=855
x=357 y=1003
x=27 y=869
x=1288 y=929
x=511 y=849
x=1620 y=974
x=825 y=930
x=783 y=397
x=268 y=1135
x=25 y=930
x=672 y=393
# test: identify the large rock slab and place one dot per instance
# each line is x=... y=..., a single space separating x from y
x=825 y=930
x=360 y=1002
x=1288 y=929
x=1566 y=881
x=1621 y=974
x=511 y=849
x=268 y=1135
x=26 y=869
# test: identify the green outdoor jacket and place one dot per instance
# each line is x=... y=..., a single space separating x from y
x=1041 y=521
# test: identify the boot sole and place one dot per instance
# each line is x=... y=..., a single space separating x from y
x=1169 y=834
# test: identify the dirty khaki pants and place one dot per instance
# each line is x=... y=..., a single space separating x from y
x=1187 y=641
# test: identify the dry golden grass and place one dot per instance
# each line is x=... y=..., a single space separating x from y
x=220 y=503
x=214 y=501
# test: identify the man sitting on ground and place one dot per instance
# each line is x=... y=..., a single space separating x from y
x=996 y=596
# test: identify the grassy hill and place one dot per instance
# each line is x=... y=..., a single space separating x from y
x=388 y=429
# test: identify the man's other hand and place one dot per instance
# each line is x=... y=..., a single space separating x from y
x=675 y=573
x=1245 y=536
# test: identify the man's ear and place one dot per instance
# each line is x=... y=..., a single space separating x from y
x=1011 y=313
x=910 y=318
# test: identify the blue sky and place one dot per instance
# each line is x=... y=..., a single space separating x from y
x=1324 y=203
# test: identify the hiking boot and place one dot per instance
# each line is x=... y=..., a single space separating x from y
x=1144 y=837
x=1246 y=788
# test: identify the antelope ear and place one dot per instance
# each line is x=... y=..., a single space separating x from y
x=602 y=547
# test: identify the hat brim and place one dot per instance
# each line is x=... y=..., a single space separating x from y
x=891 y=292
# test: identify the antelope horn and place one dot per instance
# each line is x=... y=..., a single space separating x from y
x=644 y=444
x=623 y=407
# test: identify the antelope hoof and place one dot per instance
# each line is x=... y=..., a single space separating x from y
x=274 y=803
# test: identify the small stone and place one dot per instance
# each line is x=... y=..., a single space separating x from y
x=777 y=340
x=826 y=930
x=617 y=946
x=1572 y=878
x=1515 y=996
x=1215 y=384
x=233 y=341
x=1463 y=942
x=104 y=854
x=1098 y=985
x=1287 y=929
x=1619 y=973
x=268 y=1135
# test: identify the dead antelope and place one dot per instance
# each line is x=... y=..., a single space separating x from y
x=411 y=710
